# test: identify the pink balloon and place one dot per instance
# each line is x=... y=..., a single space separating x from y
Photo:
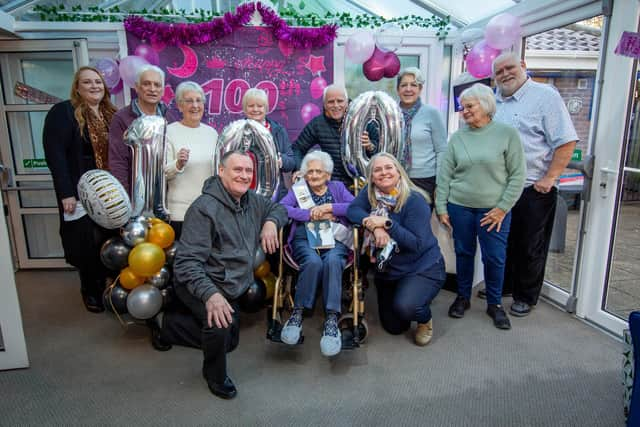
x=286 y=48
x=480 y=58
x=147 y=52
x=502 y=31
x=129 y=66
x=360 y=46
x=391 y=64
x=373 y=69
x=317 y=87
x=309 y=111
x=117 y=88
x=109 y=69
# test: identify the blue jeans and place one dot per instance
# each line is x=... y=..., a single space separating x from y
x=324 y=266
x=493 y=246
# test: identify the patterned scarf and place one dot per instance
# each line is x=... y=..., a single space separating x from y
x=99 y=137
x=385 y=203
x=408 y=115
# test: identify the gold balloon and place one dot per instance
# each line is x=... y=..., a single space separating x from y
x=155 y=221
x=262 y=270
x=270 y=283
x=161 y=234
x=129 y=280
x=146 y=259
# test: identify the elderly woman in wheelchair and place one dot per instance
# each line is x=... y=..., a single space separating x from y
x=316 y=204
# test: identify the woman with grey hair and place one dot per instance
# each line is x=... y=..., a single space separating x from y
x=189 y=153
x=481 y=178
x=424 y=133
x=255 y=104
x=311 y=202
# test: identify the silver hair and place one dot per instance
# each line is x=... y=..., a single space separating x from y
x=510 y=55
x=189 y=86
x=149 y=67
x=412 y=71
x=332 y=87
x=321 y=156
x=255 y=93
x=483 y=94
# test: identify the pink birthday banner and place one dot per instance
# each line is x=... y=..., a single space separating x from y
x=629 y=45
x=249 y=57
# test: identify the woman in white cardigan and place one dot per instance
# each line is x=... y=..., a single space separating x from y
x=189 y=154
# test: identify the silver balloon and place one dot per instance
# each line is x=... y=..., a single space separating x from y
x=144 y=302
x=170 y=254
x=259 y=258
x=146 y=136
x=134 y=232
x=160 y=280
x=252 y=137
x=115 y=254
x=371 y=106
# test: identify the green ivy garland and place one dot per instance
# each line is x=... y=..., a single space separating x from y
x=294 y=17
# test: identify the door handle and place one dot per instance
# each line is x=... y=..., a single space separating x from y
x=585 y=166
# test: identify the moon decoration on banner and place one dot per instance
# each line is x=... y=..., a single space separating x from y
x=104 y=198
x=129 y=67
x=254 y=139
x=146 y=135
x=371 y=106
x=188 y=67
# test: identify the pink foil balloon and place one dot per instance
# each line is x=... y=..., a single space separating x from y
x=480 y=58
x=129 y=66
x=309 y=111
x=391 y=64
x=317 y=87
x=360 y=46
x=109 y=69
x=502 y=31
x=147 y=52
x=373 y=69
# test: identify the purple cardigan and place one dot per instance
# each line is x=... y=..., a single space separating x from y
x=341 y=196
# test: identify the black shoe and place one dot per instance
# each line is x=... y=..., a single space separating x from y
x=156 y=336
x=459 y=306
x=500 y=319
x=520 y=309
x=226 y=390
x=482 y=294
x=93 y=304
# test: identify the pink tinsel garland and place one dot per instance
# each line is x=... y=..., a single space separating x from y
x=195 y=34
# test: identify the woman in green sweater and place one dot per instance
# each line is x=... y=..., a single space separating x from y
x=480 y=180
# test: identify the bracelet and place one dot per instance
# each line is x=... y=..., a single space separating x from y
x=387 y=224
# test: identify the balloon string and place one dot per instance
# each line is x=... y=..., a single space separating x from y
x=124 y=324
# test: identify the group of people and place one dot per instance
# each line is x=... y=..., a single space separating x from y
x=494 y=181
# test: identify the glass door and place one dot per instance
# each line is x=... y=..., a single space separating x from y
x=35 y=75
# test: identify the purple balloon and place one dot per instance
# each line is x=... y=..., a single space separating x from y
x=480 y=58
x=129 y=68
x=391 y=64
x=309 y=111
x=373 y=69
x=118 y=88
x=109 y=69
x=360 y=46
x=502 y=31
x=147 y=52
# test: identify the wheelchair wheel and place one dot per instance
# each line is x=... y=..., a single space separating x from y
x=346 y=322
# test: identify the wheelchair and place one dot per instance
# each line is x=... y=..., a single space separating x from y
x=352 y=324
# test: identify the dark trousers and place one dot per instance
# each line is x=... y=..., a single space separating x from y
x=428 y=185
x=531 y=226
x=191 y=329
x=493 y=247
x=409 y=298
x=177 y=228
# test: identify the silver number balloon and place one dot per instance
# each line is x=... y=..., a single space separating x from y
x=371 y=106
x=146 y=136
x=253 y=138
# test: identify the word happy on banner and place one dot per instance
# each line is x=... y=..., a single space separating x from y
x=249 y=57
x=629 y=45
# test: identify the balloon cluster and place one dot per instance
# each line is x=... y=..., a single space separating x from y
x=501 y=32
x=116 y=73
x=143 y=253
x=262 y=288
x=376 y=52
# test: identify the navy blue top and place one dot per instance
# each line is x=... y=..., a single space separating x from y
x=411 y=230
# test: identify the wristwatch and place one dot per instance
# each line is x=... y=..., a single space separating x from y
x=387 y=224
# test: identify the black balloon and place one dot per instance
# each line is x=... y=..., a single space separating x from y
x=115 y=254
x=253 y=299
x=115 y=298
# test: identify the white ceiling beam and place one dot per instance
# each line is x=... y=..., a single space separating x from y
x=437 y=10
x=7 y=23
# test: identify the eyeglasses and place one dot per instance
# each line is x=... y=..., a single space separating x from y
x=192 y=101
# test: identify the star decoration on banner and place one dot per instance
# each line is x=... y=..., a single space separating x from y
x=315 y=64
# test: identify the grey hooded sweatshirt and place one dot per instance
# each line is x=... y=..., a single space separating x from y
x=219 y=240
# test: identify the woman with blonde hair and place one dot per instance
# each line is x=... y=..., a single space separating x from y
x=76 y=139
x=410 y=268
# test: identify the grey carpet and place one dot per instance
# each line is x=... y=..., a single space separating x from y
x=549 y=370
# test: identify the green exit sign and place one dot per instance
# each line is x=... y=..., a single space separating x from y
x=34 y=163
x=577 y=155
